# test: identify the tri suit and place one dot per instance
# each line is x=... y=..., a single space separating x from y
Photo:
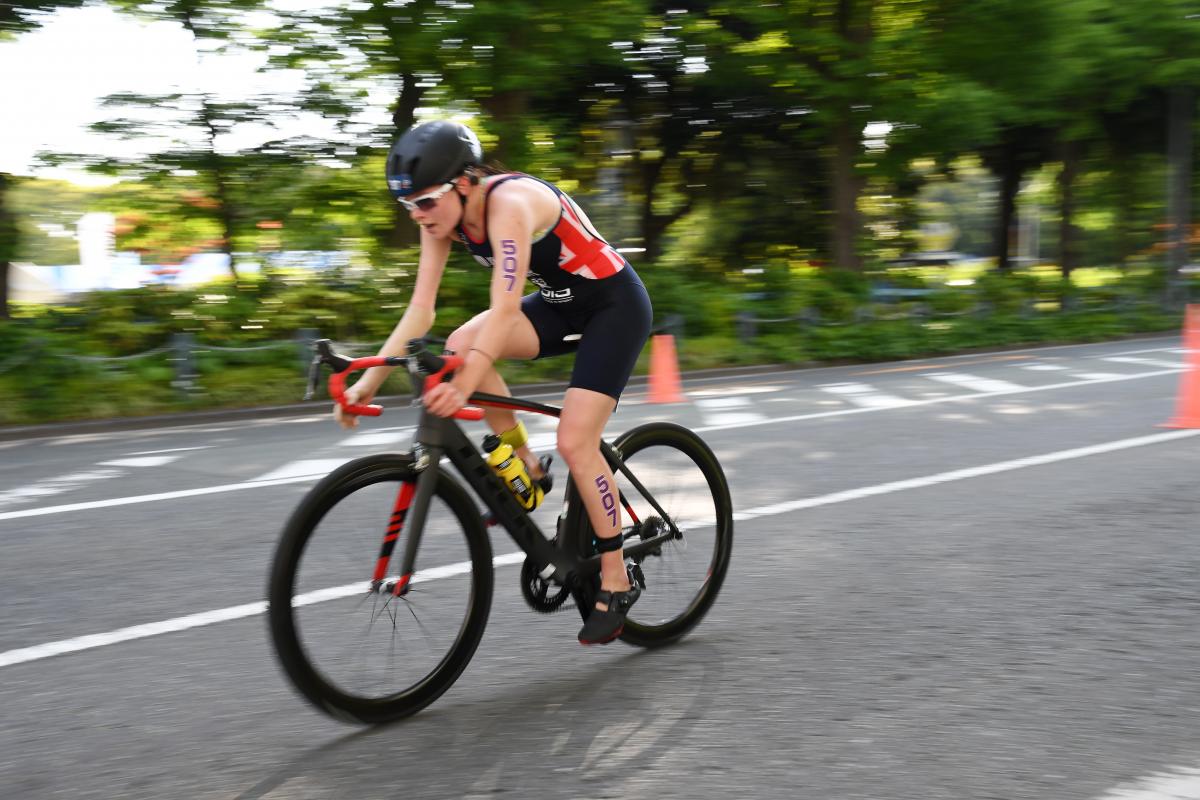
x=584 y=287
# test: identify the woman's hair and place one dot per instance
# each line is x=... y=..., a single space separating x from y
x=479 y=171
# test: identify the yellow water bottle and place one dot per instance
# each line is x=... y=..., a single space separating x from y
x=512 y=471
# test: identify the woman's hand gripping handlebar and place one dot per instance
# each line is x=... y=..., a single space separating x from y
x=421 y=363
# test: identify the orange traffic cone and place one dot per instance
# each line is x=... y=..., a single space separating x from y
x=664 y=371
x=1187 y=410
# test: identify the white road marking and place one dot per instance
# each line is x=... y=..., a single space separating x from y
x=536 y=442
x=88 y=642
x=55 y=485
x=721 y=416
x=204 y=618
x=141 y=461
x=308 y=467
x=733 y=418
x=975 y=382
x=864 y=395
x=698 y=377
x=171 y=450
x=1180 y=783
x=1149 y=362
x=932 y=400
x=1095 y=376
x=723 y=402
x=1042 y=367
x=379 y=438
x=1149 y=350
x=542 y=441
x=153 y=498
x=961 y=474
x=743 y=390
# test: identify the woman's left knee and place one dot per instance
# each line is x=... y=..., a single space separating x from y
x=575 y=443
x=465 y=334
x=460 y=340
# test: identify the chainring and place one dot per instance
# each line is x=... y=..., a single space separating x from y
x=542 y=595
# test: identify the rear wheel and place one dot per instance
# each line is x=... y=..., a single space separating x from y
x=684 y=573
x=351 y=647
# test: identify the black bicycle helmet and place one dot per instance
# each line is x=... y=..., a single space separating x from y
x=429 y=154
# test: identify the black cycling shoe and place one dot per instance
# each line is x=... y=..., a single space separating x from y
x=602 y=627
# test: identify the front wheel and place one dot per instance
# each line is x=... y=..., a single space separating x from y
x=683 y=574
x=351 y=647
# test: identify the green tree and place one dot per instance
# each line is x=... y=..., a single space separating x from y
x=525 y=65
x=188 y=130
x=16 y=18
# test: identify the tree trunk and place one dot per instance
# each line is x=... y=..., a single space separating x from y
x=854 y=28
x=845 y=186
x=652 y=229
x=404 y=233
x=1068 y=250
x=654 y=226
x=1124 y=176
x=509 y=111
x=1179 y=179
x=1010 y=184
x=227 y=217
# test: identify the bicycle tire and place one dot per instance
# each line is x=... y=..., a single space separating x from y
x=316 y=666
x=658 y=454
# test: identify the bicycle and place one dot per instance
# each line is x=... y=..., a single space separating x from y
x=334 y=585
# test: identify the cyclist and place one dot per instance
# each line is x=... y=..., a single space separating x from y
x=524 y=228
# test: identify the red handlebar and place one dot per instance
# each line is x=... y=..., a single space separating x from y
x=337 y=386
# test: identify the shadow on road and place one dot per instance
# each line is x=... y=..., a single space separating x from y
x=595 y=732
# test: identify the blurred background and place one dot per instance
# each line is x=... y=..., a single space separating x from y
x=192 y=190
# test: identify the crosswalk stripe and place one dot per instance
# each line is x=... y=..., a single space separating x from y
x=310 y=466
x=140 y=461
x=723 y=402
x=378 y=438
x=1042 y=367
x=1151 y=362
x=864 y=395
x=975 y=382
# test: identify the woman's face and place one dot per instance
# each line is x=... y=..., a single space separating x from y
x=437 y=209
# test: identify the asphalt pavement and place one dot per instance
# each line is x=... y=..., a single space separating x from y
x=969 y=577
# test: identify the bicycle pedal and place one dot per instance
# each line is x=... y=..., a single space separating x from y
x=636 y=576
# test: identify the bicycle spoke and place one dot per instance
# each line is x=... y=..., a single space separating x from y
x=362 y=647
x=676 y=488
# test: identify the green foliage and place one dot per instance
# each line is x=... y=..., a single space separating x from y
x=44 y=379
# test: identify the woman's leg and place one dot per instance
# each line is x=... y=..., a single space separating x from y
x=522 y=343
x=584 y=415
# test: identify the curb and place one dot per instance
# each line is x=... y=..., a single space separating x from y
x=184 y=418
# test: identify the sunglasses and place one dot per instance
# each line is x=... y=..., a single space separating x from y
x=426 y=201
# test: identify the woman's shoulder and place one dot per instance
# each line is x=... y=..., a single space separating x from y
x=519 y=188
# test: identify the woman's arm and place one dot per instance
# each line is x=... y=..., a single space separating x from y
x=511 y=218
x=418 y=317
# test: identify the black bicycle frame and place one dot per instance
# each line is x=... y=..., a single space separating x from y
x=560 y=563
